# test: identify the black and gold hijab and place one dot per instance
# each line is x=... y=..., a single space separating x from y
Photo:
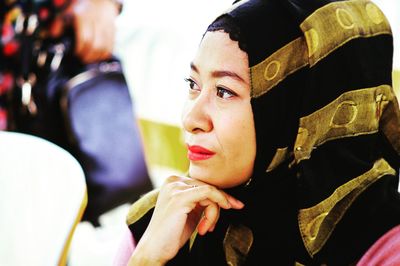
x=325 y=180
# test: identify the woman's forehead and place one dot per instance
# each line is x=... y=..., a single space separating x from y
x=217 y=52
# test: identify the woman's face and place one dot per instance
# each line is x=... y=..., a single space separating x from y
x=217 y=118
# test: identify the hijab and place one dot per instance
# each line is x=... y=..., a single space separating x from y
x=325 y=179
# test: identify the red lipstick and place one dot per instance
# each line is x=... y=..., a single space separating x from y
x=198 y=153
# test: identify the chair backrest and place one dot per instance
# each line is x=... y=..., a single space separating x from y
x=42 y=199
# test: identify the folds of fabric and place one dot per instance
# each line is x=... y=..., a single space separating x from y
x=328 y=130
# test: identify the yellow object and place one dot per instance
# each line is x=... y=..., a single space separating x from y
x=318 y=222
x=164 y=145
x=396 y=82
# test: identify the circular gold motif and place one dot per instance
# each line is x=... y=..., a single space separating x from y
x=344 y=18
x=374 y=13
x=345 y=114
x=272 y=70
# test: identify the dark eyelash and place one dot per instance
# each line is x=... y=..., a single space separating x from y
x=228 y=90
x=191 y=82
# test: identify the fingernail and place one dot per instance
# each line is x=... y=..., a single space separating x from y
x=240 y=203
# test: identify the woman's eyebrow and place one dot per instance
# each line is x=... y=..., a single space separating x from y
x=219 y=73
x=225 y=73
x=193 y=67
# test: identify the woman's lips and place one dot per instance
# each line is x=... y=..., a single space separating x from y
x=198 y=153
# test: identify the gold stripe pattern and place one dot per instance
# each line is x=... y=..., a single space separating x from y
x=335 y=24
x=325 y=30
x=192 y=238
x=318 y=222
x=265 y=75
x=281 y=155
x=237 y=243
x=390 y=121
x=142 y=206
x=353 y=113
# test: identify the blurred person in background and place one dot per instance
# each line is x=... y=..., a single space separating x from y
x=60 y=80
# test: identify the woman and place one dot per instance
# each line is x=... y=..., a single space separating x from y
x=292 y=130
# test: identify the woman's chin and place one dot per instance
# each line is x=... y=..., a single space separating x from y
x=215 y=178
x=203 y=174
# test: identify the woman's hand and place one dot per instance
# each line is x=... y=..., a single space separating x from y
x=95 y=29
x=94 y=25
x=183 y=204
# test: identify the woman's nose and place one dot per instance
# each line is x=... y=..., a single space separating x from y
x=197 y=115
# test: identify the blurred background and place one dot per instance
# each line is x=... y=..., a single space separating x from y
x=391 y=9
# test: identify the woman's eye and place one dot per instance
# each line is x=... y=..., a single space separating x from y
x=225 y=93
x=192 y=84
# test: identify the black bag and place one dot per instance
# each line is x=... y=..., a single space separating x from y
x=86 y=109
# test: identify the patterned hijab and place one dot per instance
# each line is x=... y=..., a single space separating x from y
x=324 y=186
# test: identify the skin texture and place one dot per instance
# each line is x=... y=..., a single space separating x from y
x=218 y=114
x=218 y=117
x=93 y=22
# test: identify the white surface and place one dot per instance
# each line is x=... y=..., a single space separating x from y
x=391 y=8
x=99 y=245
x=41 y=191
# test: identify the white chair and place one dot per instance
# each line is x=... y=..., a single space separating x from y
x=42 y=199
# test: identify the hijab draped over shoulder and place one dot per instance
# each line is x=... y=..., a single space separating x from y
x=325 y=180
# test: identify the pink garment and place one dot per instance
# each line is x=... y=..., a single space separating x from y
x=125 y=249
x=385 y=252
